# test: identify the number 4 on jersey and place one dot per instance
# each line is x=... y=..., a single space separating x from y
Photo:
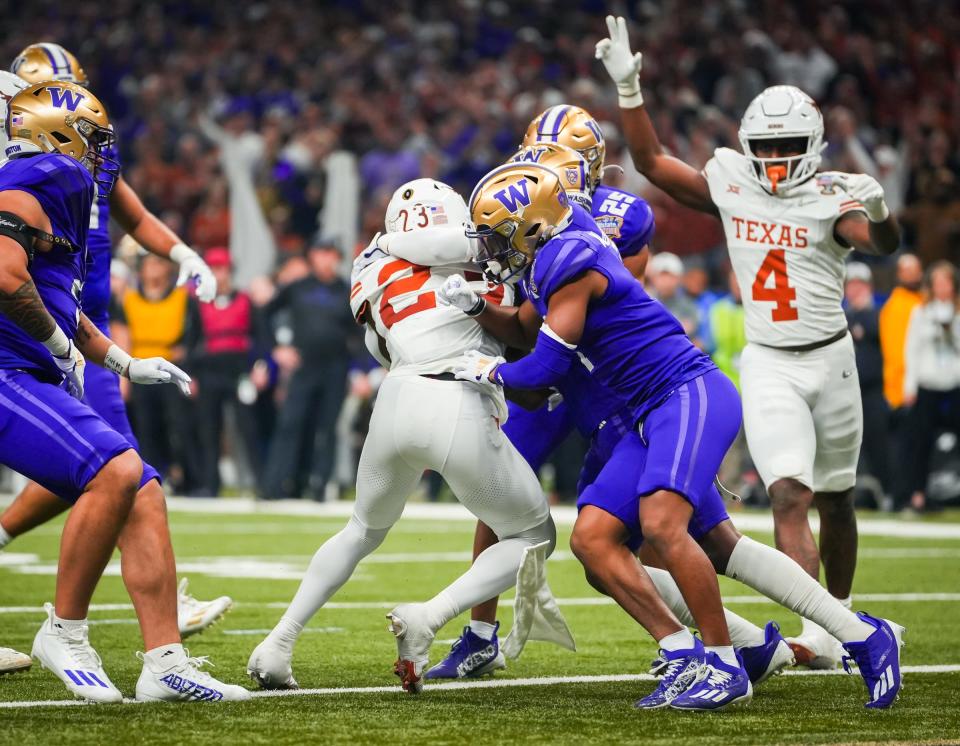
x=775 y=264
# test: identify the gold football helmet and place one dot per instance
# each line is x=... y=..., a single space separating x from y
x=60 y=117
x=40 y=62
x=515 y=209
x=568 y=164
x=575 y=128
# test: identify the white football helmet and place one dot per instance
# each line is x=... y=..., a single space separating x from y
x=10 y=86
x=424 y=203
x=783 y=112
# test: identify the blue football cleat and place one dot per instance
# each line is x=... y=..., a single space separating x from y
x=470 y=656
x=763 y=661
x=878 y=658
x=677 y=670
x=718 y=685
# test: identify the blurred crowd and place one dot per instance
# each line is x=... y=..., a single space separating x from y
x=271 y=134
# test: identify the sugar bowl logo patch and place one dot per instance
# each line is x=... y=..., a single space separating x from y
x=611 y=225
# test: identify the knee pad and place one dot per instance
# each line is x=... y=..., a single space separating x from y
x=546 y=531
x=369 y=538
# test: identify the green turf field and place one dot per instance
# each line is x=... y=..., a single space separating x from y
x=257 y=559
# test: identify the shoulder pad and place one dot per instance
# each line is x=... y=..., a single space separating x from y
x=562 y=259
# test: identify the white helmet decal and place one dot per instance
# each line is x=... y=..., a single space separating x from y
x=424 y=203
x=783 y=112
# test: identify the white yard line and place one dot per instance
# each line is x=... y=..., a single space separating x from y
x=586 y=601
x=562 y=514
x=498 y=683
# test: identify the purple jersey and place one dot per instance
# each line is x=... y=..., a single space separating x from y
x=624 y=218
x=65 y=190
x=96 y=288
x=631 y=344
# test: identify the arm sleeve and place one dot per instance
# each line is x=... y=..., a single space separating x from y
x=546 y=366
x=432 y=246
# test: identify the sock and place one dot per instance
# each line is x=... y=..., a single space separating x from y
x=5 y=538
x=286 y=632
x=68 y=625
x=808 y=627
x=165 y=656
x=778 y=577
x=680 y=640
x=331 y=567
x=483 y=630
x=743 y=634
x=726 y=654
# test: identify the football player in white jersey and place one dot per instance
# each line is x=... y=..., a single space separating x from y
x=788 y=230
x=424 y=418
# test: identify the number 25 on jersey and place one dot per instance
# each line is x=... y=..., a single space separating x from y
x=773 y=286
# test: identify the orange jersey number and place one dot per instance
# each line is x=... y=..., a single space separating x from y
x=775 y=263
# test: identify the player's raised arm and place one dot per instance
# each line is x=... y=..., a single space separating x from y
x=678 y=179
x=873 y=231
x=151 y=233
x=20 y=214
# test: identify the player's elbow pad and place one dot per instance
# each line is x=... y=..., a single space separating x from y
x=547 y=365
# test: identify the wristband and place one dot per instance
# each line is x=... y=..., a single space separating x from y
x=630 y=99
x=57 y=343
x=180 y=252
x=478 y=307
x=117 y=360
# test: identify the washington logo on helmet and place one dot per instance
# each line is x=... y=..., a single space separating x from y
x=61 y=97
x=514 y=196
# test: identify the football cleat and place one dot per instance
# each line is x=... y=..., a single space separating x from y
x=409 y=625
x=763 y=661
x=817 y=650
x=470 y=656
x=716 y=686
x=173 y=676
x=12 y=661
x=270 y=665
x=195 y=616
x=67 y=653
x=677 y=669
x=878 y=658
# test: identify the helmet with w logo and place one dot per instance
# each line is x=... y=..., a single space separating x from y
x=515 y=209
x=59 y=117
x=575 y=128
x=568 y=164
x=40 y=62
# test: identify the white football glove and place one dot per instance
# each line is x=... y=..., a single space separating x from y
x=867 y=191
x=456 y=292
x=153 y=370
x=72 y=365
x=376 y=249
x=192 y=266
x=476 y=367
x=622 y=65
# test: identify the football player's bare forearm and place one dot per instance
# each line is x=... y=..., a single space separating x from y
x=143 y=226
x=678 y=179
x=25 y=308
x=91 y=342
x=506 y=326
x=885 y=237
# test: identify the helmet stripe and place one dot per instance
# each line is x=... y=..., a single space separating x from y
x=57 y=56
x=550 y=124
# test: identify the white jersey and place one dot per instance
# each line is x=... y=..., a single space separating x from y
x=783 y=251
x=422 y=336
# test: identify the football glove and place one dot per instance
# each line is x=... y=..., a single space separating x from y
x=456 y=291
x=72 y=365
x=623 y=66
x=154 y=370
x=476 y=367
x=193 y=267
x=866 y=190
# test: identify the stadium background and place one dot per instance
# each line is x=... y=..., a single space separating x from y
x=277 y=127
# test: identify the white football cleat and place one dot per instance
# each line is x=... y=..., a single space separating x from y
x=12 y=661
x=270 y=665
x=817 y=650
x=195 y=616
x=408 y=623
x=173 y=676
x=70 y=657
